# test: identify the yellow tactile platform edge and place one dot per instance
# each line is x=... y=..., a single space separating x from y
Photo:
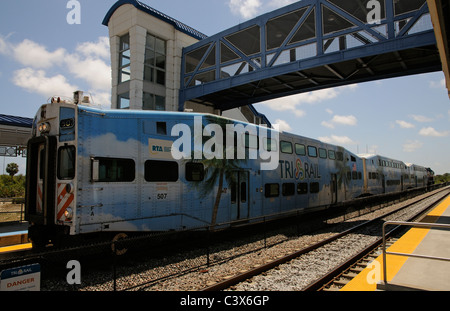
x=13 y=248
x=367 y=279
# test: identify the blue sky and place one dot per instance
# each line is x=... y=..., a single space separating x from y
x=41 y=55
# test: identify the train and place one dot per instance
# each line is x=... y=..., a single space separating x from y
x=96 y=171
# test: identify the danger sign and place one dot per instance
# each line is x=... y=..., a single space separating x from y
x=26 y=278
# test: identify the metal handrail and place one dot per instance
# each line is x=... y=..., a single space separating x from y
x=410 y=224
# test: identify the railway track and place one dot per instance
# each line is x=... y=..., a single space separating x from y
x=339 y=273
x=196 y=276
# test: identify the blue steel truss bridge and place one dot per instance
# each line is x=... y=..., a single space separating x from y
x=307 y=46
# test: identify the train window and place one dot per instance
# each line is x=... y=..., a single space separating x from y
x=349 y=176
x=359 y=175
x=288 y=189
x=243 y=192
x=354 y=175
x=161 y=171
x=251 y=141
x=312 y=151
x=331 y=155
x=233 y=193
x=339 y=156
x=66 y=163
x=314 y=187
x=272 y=190
x=300 y=149
x=302 y=188
x=195 y=171
x=322 y=153
x=286 y=147
x=270 y=144
x=113 y=170
x=161 y=128
x=352 y=158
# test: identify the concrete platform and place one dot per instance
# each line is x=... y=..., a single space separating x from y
x=427 y=274
x=405 y=273
x=13 y=233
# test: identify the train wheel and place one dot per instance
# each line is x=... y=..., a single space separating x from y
x=116 y=250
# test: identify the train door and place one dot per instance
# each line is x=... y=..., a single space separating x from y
x=240 y=195
x=383 y=183
x=41 y=177
x=334 y=195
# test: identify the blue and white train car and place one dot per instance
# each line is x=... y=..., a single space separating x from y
x=384 y=175
x=115 y=171
x=418 y=175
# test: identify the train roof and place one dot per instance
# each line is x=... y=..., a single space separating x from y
x=127 y=113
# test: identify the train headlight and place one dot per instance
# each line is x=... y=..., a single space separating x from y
x=44 y=128
x=68 y=213
x=69 y=188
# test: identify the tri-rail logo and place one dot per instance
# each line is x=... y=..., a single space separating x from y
x=300 y=170
x=231 y=141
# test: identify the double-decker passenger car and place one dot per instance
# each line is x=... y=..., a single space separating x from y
x=114 y=171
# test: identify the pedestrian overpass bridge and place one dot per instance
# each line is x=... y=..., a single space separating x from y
x=311 y=45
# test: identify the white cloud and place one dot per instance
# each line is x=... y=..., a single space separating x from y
x=280 y=3
x=437 y=84
x=328 y=124
x=36 y=81
x=345 y=120
x=289 y=103
x=429 y=131
x=340 y=120
x=420 y=118
x=245 y=8
x=292 y=103
x=339 y=140
x=404 y=124
x=284 y=126
x=34 y=55
x=412 y=145
x=89 y=62
x=3 y=46
x=94 y=71
x=102 y=99
x=250 y=8
x=95 y=49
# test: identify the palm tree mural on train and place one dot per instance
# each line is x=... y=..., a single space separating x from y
x=218 y=169
x=342 y=171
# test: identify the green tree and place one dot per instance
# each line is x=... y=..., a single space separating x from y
x=12 y=169
x=217 y=169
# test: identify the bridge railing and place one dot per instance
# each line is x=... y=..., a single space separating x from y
x=300 y=36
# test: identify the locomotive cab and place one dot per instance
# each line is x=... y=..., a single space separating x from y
x=51 y=180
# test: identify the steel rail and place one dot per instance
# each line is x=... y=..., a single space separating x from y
x=313 y=286
x=330 y=276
